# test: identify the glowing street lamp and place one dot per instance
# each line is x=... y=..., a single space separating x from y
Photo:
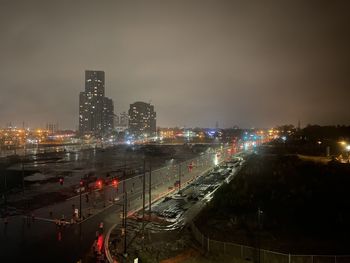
x=342 y=143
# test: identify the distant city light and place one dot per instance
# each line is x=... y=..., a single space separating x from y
x=246 y=146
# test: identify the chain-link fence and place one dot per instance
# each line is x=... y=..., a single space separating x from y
x=260 y=255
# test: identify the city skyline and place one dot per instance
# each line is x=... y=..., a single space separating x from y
x=239 y=64
x=190 y=131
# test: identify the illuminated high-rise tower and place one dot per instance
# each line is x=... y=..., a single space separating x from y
x=95 y=110
x=142 y=119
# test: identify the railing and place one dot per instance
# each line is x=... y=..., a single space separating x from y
x=260 y=255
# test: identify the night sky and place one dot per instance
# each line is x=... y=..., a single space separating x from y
x=246 y=63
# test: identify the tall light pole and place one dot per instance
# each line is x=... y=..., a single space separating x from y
x=23 y=174
x=23 y=158
x=260 y=213
x=81 y=183
x=125 y=216
x=150 y=189
x=179 y=177
x=5 y=192
x=143 y=193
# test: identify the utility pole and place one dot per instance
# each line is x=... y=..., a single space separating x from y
x=125 y=216
x=23 y=174
x=179 y=177
x=80 y=212
x=123 y=219
x=150 y=189
x=143 y=194
x=5 y=192
x=23 y=159
x=260 y=213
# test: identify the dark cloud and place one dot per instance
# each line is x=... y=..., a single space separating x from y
x=251 y=63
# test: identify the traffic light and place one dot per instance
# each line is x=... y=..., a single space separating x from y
x=99 y=184
x=61 y=180
x=190 y=167
x=81 y=183
x=115 y=182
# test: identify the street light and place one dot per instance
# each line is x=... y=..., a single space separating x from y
x=342 y=143
x=347 y=148
x=81 y=184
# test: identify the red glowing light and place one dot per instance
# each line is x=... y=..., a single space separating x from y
x=100 y=243
x=190 y=167
x=115 y=182
x=99 y=183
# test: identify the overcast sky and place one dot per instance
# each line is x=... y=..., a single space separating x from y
x=247 y=63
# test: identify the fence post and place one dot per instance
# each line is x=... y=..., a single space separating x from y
x=312 y=259
x=289 y=258
x=335 y=259
x=202 y=240
x=242 y=257
x=208 y=241
x=264 y=258
x=224 y=247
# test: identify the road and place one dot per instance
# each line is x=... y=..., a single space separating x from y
x=42 y=241
x=27 y=243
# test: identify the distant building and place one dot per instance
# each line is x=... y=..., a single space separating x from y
x=116 y=121
x=121 y=122
x=142 y=119
x=52 y=127
x=95 y=110
x=108 y=115
x=170 y=133
x=124 y=119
